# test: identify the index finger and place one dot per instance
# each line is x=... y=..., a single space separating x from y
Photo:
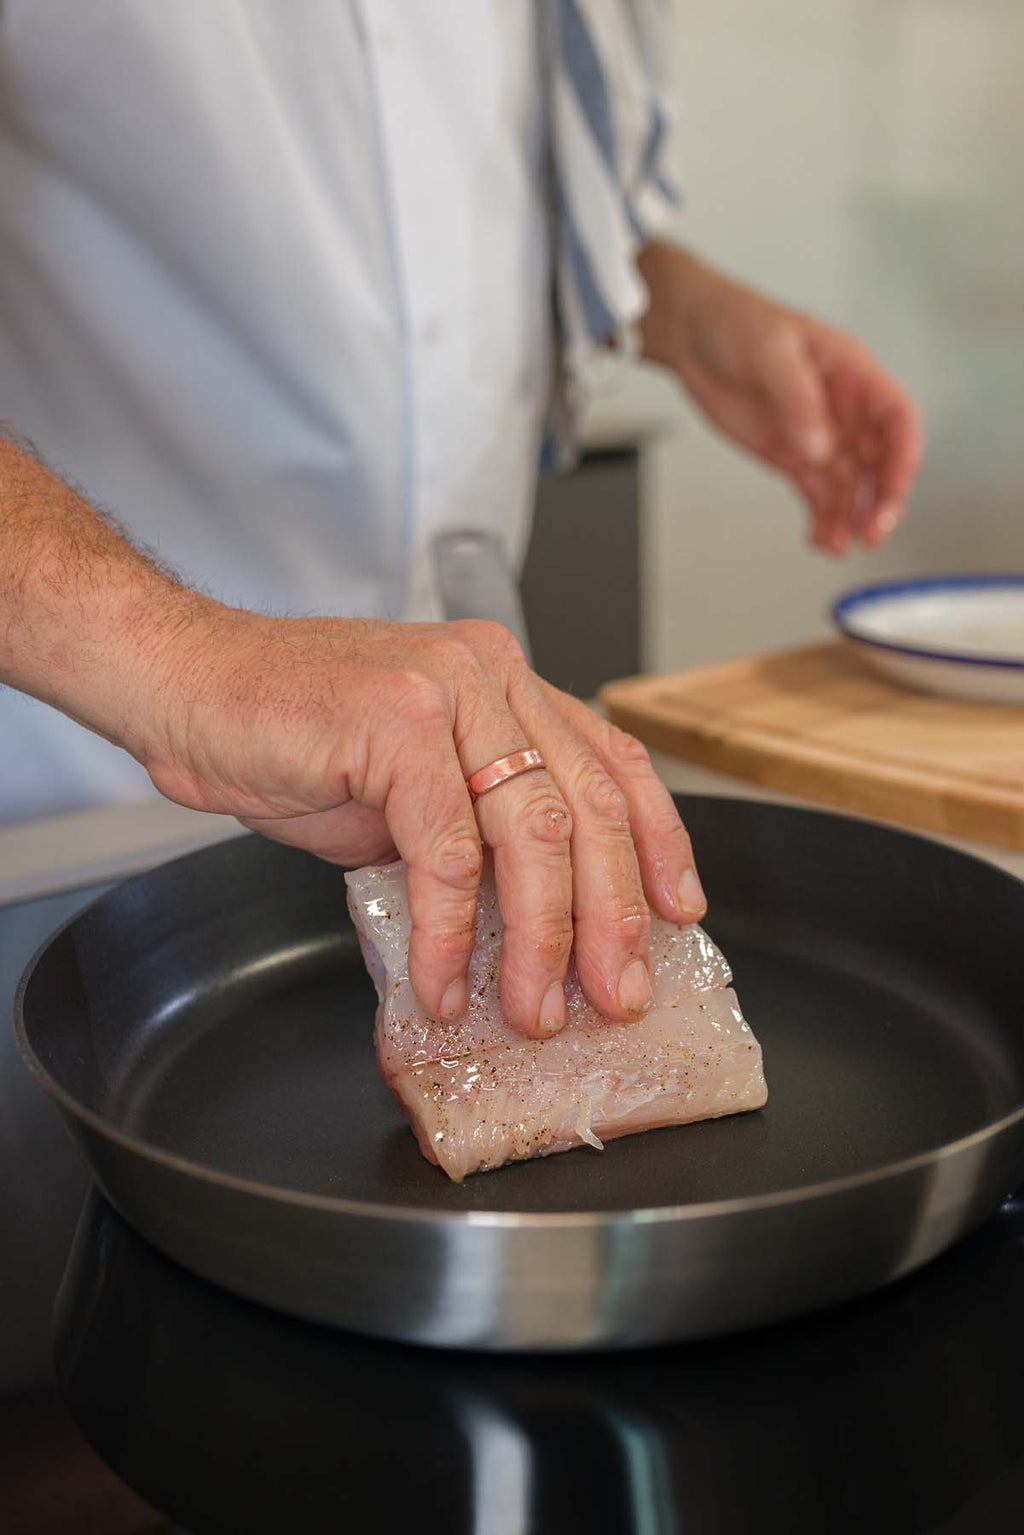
x=430 y=817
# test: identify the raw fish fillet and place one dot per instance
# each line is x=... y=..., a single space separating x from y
x=478 y=1093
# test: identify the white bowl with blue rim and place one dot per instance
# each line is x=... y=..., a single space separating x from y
x=962 y=635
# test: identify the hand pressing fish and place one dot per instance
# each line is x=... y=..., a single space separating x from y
x=478 y=1093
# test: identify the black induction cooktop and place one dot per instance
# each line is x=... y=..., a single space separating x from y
x=137 y=1398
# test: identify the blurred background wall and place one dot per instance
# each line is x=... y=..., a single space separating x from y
x=865 y=159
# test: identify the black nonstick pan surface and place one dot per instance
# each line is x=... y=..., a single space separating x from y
x=206 y=1029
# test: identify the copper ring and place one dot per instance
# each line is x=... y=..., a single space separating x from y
x=494 y=773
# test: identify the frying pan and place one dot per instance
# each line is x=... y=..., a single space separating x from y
x=205 y=1029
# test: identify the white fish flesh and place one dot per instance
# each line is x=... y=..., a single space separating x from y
x=478 y=1093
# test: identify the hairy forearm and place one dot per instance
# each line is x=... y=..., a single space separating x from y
x=84 y=616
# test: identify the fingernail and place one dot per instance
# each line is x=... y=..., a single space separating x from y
x=814 y=443
x=635 y=987
x=691 y=894
x=453 y=1003
x=885 y=520
x=552 y=1010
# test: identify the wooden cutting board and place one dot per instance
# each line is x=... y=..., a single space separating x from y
x=817 y=724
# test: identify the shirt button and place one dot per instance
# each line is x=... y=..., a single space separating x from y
x=430 y=332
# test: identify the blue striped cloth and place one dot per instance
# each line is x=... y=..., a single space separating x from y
x=610 y=116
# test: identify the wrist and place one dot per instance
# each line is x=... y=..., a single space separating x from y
x=680 y=287
x=90 y=638
x=214 y=684
x=89 y=621
x=159 y=659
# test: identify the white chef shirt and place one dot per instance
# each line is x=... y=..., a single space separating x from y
x=274 y=289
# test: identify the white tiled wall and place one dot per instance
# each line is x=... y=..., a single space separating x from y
x=864 y=158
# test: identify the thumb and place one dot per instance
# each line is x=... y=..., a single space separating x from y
x=793 y=388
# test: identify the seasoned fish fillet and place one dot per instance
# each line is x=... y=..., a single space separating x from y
x=478 y=1093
